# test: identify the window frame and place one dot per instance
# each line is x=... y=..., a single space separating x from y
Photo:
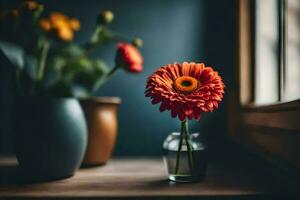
x=263 y=129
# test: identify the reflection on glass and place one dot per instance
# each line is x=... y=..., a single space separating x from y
x=292 y=87
x=266 y=42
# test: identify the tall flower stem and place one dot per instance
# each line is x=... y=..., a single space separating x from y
x=102 y=34
x=106 y=78
x=184 y=134
x=42 y=59
x=179 y=149
x=95 y=40
x=188 y=144
x=111 y=72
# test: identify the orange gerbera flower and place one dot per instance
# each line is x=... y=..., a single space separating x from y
x=187 y=89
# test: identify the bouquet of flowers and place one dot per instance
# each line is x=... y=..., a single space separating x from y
x=46 y=61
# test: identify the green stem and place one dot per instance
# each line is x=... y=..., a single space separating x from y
x=106 y=78
x=94 y=42
x=42 y=60
x=100 y=35
x=188 y=144
x=120 y=37
x=111 y=72
x=179 y=149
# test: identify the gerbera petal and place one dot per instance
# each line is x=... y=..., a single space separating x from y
x=216 y=104
x=186 y=69
x=181 y=116
x=190 y=117
x=197 y=114
x=164 y=106
x=188 y=111
x=174 y=72
x=155 y=100
x=198 y=70
x=174 y=112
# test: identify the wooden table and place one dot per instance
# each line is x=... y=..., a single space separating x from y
x=141 y=177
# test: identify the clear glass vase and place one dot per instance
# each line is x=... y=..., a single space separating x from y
x=185 y=163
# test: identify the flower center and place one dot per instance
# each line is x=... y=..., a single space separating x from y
x=186 y=84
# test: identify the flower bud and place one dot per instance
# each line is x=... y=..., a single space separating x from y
x=129 y=58
x=31 y=5
x=74 y=24
x=138 y=42
x=65 y=34
x=57 y=16
x=45 y=25
x=105 y=17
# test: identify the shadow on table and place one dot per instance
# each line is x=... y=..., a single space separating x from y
x=12 y=175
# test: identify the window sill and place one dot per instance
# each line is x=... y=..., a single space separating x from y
x=286 y=106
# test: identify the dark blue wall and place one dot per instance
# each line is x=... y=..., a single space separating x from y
x=172 y=30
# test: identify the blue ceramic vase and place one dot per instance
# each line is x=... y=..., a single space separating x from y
x=50 y=137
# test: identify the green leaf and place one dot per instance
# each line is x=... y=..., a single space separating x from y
x=13 y=53
x=58 y=63
x=30 y=66
x=89 y=74
x=100 y=66
x=65 y=56
x=100 y=36
x=97 y=36
x=71 y=50
x=77 y=73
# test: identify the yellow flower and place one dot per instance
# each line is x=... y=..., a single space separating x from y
x=65 y=34
x=61 y=25
x=74 y=24
x=31 y=5
x=45 y=25
x=58 y=16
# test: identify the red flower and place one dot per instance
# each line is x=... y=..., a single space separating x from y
x=129 y=58
x=187 y=89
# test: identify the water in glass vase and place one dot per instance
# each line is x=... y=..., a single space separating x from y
x=185 y=167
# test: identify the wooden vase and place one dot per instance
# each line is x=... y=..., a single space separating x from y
x=102 y=121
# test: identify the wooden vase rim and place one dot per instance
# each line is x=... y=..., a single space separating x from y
x=45 y=98
x=106 y=100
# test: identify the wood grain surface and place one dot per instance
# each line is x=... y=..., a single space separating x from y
x=136 y=177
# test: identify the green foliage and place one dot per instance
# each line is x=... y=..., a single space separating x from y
x=45 y=64
x=100 y=36
x=13 y=53
x=24 y=65
x=76 y=71
x=70 y=71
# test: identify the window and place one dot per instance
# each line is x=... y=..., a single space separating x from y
x=264 y=115
x=266 y=52
x=273 y=51
x=292 y=25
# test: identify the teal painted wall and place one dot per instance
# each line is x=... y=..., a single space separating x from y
x=172 y=30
